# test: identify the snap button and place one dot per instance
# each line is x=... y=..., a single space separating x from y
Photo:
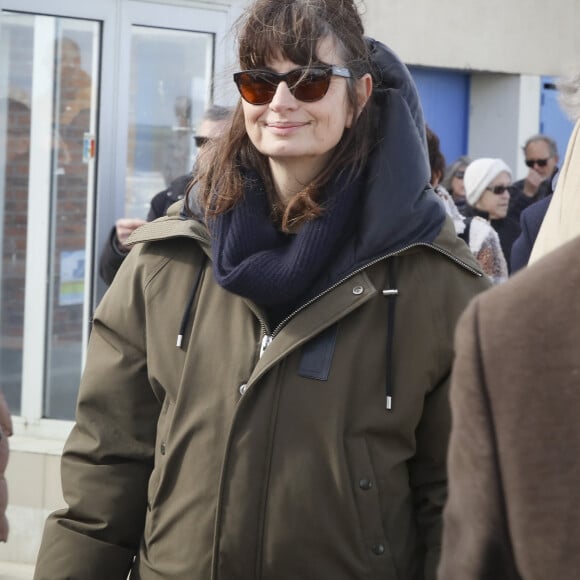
x=162 y=448
x=243 y=388
x=378 y=549
x=365 y=484
x=358 y=290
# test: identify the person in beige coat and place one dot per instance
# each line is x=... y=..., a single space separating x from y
x=513 y=465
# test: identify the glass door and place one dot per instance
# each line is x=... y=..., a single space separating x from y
x=98 y=103
x=49 y=69
x=170 y=87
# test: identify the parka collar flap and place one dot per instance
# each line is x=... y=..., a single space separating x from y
x=327 y=310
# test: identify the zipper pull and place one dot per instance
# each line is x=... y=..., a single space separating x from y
x=265 y=344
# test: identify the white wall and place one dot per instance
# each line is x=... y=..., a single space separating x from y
x=504 y=112
x=538 y=37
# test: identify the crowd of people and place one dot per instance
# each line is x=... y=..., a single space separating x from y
x=484 y=196
x=274 y=386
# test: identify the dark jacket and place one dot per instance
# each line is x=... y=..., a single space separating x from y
x=507 y=229
x=112 y=255
x=513 y=457
x=519 y=201
x=222 y=460
x=530 y=222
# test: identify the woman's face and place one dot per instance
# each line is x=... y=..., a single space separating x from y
x=289 y=130
x=457 y=186
x=496 y=204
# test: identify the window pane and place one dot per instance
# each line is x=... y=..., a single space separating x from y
x=16 y=34
x=48 y=100
x=76 y=82
x=170 y=88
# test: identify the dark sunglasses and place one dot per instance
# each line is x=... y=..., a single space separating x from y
x=459 y=174
x=498 y=189
x=538 y=162
x=307 y=83
x=200 y=141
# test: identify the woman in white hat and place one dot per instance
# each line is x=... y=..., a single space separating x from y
x=477 y=232
x=486 y=189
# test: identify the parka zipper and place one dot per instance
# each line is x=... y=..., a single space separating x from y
x=267 y=339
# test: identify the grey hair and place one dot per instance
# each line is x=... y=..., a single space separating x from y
x=569 y=88
x=552 y=146
x=462 y=161
x=217 y=113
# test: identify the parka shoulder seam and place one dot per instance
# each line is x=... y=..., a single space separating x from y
x=163 y=261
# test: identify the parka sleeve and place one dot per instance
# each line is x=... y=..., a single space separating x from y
x=428 y=468
x=475 y=539
x=428 y=473
x=108 y=457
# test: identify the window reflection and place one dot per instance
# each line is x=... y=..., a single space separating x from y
x=169 y=90
x=51 y=69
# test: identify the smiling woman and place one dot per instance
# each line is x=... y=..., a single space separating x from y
x=299 y=427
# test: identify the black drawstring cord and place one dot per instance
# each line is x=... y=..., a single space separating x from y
x=391 y=294
x=187 y=312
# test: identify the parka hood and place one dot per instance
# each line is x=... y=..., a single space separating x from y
x=398 y=206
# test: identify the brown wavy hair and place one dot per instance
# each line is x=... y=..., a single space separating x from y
x=292 y=29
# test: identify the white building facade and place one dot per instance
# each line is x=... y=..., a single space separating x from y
x=98 y=105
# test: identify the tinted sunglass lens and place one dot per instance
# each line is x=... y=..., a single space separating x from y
x=200 y=141
x=311 y=85
x=542 y=162
x=256 y=88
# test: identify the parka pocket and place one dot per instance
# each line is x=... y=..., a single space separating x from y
x=161 y=443
x=365 y=488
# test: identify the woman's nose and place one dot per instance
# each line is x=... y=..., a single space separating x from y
x=283 y=98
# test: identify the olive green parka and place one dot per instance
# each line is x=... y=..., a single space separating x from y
x=315 y=450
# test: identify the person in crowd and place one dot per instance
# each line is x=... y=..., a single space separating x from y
x=115 y=250
x=487 y=182
x=565 y=202
x=298 y=426
x=541 y=158
x=5 y=432
x=513 y=466
x=453 y=180
x=531 y=219
x=477 y=232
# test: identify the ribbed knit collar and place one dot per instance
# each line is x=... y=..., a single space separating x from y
x=252 y=258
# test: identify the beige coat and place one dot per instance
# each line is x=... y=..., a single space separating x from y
x=514 y=468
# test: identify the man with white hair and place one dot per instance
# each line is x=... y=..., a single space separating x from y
x=541 y=157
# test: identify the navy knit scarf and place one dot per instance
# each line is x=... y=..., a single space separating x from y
x=252 y=258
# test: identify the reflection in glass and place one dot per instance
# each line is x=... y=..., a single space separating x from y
x=15 y=139
x=50 y=68
x=76 y=80
x=169 y=90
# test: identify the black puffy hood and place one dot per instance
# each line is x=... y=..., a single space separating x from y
x=399 y=207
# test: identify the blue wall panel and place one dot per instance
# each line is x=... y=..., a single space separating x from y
x=445 y=98
x=553 y=121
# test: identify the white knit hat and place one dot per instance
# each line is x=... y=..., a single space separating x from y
x=479 y=174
